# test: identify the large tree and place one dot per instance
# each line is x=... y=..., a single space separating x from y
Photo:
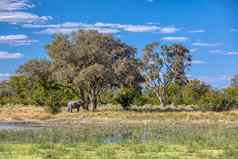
x=35 y=77
x=91 y=61
x=36 y=70
x=162 y=65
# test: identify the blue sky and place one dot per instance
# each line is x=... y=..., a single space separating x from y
x=209 y=28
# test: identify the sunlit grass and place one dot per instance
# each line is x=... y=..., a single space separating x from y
x=149 y=150
x=33 y=113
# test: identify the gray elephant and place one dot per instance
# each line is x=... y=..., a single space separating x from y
x=74 y=105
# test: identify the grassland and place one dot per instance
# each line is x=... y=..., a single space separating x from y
x=111 y=133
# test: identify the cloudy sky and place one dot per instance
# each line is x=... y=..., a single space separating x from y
x=209 y=28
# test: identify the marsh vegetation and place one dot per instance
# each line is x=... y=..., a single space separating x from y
x=114 y=133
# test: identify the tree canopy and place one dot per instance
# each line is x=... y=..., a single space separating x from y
x=92 y=60
x=163 y=65
x=93 y=67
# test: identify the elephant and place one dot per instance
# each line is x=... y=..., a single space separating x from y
x=74 y=105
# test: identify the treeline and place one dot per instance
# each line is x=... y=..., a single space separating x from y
x=98 y=68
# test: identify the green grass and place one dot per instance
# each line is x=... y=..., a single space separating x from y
x=123 y=140
x=101 y=151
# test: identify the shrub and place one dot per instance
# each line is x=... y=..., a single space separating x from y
x=194 y=91
x=150 y=97
x=232 y=94
x=38 y=94
x=54 y=104
x=125 y=97
x=107 y=97
x=216 y=101
x=175 y=94
x=140 y=100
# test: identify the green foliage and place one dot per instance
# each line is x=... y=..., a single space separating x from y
x=54 y=103
x=151 y=97
x=94 y=60
x=231 y=93
x=39 y=94
x=125 y=96
x=140 y=100
x=99 y=67
x=107 y=97
x=216 y=101
x=175 y=94
x=163 y=65
x=36 y=70
x=194 y=91
x=23 y=87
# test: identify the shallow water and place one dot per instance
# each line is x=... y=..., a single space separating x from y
x=6 y=126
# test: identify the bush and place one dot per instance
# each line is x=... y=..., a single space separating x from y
x=107 y=97
x=125 y=97
x=194 y=91
x=216 y=101
x=140 y=100
x=38 y=94
x=54 y=104
x=175 y=94
x=232 y=94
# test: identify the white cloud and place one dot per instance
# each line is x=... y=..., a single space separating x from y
x=198 y=62
x=6 y=55
x=153 y=23
x=101 y=27
x=211 y=79
x=234 y=53
x=5 y=75
x=230 y=53
x=124 y=27
x=217 y=51
x=103 y=30
x=206 y=44
x=168 y=30
x=193 y=50
x=234 y=30
x=11 y=12
x=140 y=28
x=22 y=17
x=215 y=80
x=13 y=5
x=58 y=30
x=64 y=25
x=197 y=31
x=18 y=39
x=70 y=30
x=175 y=39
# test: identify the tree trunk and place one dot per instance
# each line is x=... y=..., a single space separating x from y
x=92 y=97
x=81 y=88
x=163 y=97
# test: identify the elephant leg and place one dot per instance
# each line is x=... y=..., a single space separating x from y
x=78 y=109
x=70 y=109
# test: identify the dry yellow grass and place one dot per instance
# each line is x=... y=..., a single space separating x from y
x=14 y=114
x=38 y=114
